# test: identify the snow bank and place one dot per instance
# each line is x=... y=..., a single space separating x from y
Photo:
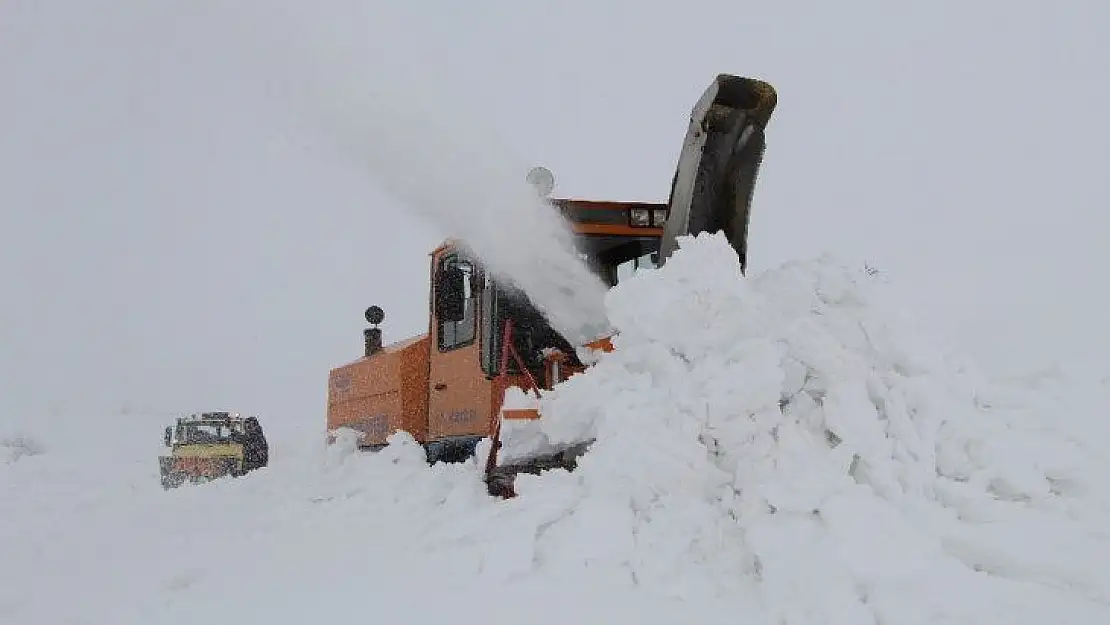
x=793 y=438
x=783 y=449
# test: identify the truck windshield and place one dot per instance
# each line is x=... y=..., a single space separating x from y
x=203 y=433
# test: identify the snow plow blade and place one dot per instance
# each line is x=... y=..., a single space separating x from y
x=500 y=479
x=720 y=159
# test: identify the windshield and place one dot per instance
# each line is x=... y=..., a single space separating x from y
x=203 y=433
x=615 y=258
x=627 y=268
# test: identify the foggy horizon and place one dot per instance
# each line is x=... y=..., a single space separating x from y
x=174 y=239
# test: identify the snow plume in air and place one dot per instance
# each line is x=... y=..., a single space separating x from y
x=408 y=133
x=448 y=174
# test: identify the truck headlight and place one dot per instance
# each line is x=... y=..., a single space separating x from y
x=658 y=217
x=640 y=217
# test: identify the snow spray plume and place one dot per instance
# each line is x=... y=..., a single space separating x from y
x=447 y=175
x=407 y=135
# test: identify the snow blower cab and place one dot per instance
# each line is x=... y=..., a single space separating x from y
x=486 y=342
x=446 y=387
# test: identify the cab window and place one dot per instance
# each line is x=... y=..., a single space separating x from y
x=629 y=267
x=454 y=334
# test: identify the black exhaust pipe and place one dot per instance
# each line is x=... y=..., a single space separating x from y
x=372 y=337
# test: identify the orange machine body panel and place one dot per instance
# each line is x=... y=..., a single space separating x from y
x=458 y=403
x=382 y=393
x=593 y=217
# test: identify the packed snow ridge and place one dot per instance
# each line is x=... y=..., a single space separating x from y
x=789 y=438
x=779 y=449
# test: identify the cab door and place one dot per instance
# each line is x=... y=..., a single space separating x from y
x=458 y=391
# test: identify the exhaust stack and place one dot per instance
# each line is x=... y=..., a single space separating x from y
x=372 y=337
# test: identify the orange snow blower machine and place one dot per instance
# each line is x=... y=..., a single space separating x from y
x=447 y=387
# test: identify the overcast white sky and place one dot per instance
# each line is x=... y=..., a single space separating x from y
x=169 y=241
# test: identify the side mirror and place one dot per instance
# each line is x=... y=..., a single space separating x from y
x=451 y=294
x=169 y=436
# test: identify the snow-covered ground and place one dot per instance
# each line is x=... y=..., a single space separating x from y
x=786 y=448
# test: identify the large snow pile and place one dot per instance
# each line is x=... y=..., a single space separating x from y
x=790 y=438
x=778 y=449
